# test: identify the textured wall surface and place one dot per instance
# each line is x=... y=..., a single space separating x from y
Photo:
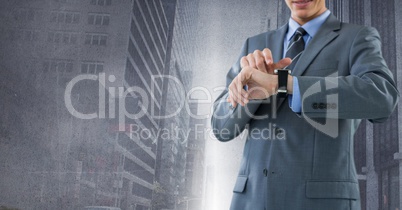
x=52 y=158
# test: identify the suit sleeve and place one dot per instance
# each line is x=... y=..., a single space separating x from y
x=228 y=122
x=369 y=92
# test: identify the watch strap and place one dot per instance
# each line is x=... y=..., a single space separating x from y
x=282 y=81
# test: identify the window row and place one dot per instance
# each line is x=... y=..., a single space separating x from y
x=67 y=66
x=62 y=37
x=23 y=35
x=96 y=39
x=91 y=67
x=70 y=17
x=60 y=66
x=67 y=1
x=65 y=17
x=91 y=2
x=101 y=2
x=57 y=37
x=98 y=19
x=28 y=15
x=72 y=38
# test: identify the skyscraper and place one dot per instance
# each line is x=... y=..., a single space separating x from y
x=172 y=163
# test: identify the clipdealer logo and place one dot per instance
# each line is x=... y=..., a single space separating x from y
x=331 y=125
x=119 y=95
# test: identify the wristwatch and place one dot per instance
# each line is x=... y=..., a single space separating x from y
x=282 y=81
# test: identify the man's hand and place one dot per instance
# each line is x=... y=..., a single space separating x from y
x=262 y=60
x=257 y=74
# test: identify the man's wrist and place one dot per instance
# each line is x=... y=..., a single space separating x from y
x=290 y=84
x=284 y=82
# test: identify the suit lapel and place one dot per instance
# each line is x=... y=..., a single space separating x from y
x=275 y=45
x=325 y=35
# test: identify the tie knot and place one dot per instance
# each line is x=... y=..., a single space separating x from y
x=301 y=31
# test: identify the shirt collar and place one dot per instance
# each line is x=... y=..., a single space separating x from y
x=311 y=27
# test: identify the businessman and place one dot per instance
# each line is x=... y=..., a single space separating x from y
x=302 y=91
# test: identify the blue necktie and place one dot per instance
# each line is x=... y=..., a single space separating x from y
x=296 y=47
x=294 y=51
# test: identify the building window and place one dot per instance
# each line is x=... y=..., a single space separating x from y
x=66 y=1
x=29 y=35
x=59 y=66
x=65 y=17
x=23 y=35
x=390 y=188
x=141 y=191
x=28 y=15
x=134 y=169
x=91 y=67
x=101 y=2
x=62 y=37
x=98 y=19
x=95 y=39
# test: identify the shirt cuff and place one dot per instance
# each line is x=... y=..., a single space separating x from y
x=295 y=99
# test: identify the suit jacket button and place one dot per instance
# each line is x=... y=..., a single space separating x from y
x=278 y=131
x=265 y=172
x=322 y=106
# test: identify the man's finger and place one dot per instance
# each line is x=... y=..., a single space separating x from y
x=230 y=100
x=260 y=61
x=283 y=63
x=242 y=94
x=267 y=56
x=251 y=60
x=244 y=62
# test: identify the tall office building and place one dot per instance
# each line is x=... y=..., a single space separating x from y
x=172 y=164
x=149 y=40
x=398 y=76
x=62 y=161
x=195 y=162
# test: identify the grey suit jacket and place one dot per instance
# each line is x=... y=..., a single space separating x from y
x=305 y=160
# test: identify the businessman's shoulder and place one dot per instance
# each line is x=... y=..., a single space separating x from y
x=355 y=28
x=265 y=35
x=261 y=36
